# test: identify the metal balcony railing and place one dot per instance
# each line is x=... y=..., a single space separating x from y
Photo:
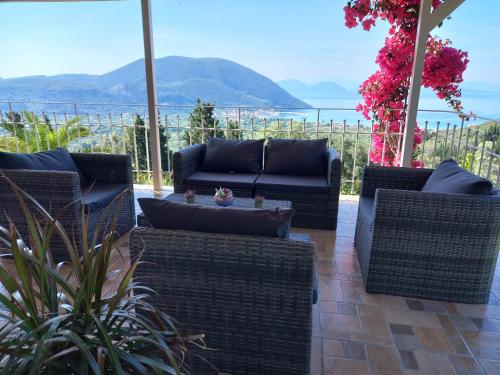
x=109 y=128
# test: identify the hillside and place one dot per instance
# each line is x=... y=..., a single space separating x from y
x=180 y=81
x=320 y=90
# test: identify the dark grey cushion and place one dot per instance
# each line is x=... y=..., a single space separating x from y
x=296 y=157
x=366 y=209
x=200 y=218
x=99 y=195
x=448 y=177
x=215 y=180
x=53 y=160
x=225 y=155
x=306 y=184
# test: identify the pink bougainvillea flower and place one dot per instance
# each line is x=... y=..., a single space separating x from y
x=385 y=92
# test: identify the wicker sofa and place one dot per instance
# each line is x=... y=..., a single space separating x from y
x=439 y=246
x=60 y=192
x=250 y=295
x=314 y=198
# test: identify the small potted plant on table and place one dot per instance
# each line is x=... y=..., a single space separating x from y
x=223 y=197
x=259 y=201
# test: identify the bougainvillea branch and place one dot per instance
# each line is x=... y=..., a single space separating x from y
x=385 y=92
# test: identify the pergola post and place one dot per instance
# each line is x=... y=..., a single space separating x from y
x=151 y=93
x=427 y=20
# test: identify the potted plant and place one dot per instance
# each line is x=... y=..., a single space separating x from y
x=223 y=197
x=190 y=194
x=63 y=319
x=259 y=201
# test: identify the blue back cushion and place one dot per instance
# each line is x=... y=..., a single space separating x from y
x=448 y=177
x=212 y=219
x=230 y=156
x=296 y=157
x=53 y=160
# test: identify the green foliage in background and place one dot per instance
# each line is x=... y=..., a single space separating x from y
x=138 y=138
x=27 y=132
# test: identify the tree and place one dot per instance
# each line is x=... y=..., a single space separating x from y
x=28 y=132
x=203 y=124
x=385 y=92
x=140 y=132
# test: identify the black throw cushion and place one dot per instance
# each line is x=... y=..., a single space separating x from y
x=99 y=195
x=229 y=180
x=224 y=155
x=296 y=157
x=279 y=182
x=448 y=177
x=200 y=218
x=53 y=160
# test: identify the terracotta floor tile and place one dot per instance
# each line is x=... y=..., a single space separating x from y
x=479 y=339
x=447 y=325
x=490 y=367
x=408 y=359
x=433 y=363
x=412 y=318
x=340 y=322
x=344 y=366
x=333 y=348
x=355 y=350
x=433 y=339
x=328 y=306
x=465 y=365
x=383 y=361
x=372 y=320
x=407 y=342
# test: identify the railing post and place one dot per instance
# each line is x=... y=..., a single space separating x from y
x=151 y=90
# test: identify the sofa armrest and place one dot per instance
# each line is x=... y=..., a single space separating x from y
x=56 y=191
x=375 y=177
x=459 y=221
x=105 y=167
x=186 y=162
x=334 y=169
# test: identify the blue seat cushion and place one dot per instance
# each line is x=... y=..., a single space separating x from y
x=215 y=180
x=296 y=157
x=163 y=214
x=366 y=209
x=99 y=195
x=53 y=160
x=277 y=182
x=448 y=177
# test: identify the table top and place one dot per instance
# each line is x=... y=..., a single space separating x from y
x=208 y=200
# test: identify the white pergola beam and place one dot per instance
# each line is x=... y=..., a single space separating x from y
x=149 y=63
x=427 y=21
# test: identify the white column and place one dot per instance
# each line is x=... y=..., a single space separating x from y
x=151 y=91
x=426 y=22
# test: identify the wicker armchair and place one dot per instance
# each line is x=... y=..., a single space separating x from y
x=251 y=296
x=426 y=245
x=60 y=193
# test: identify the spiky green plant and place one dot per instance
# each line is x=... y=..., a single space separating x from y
x=57 y=319
x=28 y=132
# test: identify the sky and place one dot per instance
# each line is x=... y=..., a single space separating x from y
x=282 y=39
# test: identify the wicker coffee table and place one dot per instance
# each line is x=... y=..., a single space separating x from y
x=208 y=200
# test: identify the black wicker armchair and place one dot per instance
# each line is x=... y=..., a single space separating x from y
x=61 y=194
x=251 y=296
x=439 y=246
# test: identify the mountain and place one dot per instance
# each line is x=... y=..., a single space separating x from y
x=180 y=81
x=320 y=90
